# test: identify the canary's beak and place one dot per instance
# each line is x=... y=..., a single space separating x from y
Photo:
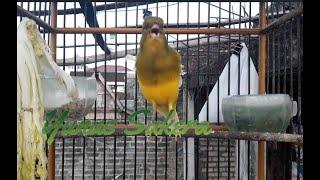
x=155 y=31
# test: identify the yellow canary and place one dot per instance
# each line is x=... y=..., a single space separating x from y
x=158 y=68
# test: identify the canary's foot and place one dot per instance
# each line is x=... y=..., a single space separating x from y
x=154 y=115
x=176 y=139
x=154 y=110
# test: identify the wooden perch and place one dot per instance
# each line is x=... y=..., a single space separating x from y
x=255 y=136
x=222 y=132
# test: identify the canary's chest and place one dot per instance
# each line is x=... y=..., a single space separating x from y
x=161 y=93
x=160 y=86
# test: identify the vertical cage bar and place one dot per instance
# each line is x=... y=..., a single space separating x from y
x=63 y=66
x=272 y=11
x=299 y=91
x=21 y=4
x=207 y=93
x=145 y=138
x=75 y=38
x=197 y=140
x=273 y=64
x=268 y=52
x=268 y=63
x=262 y=88
x=40 y=16
x=75 y=73
x=53 y=46
x=291 y=58
x=187 y=91
x=125 y=93
x=95 y=103
x=278 y=56
x=176 y=149
x=285 y=53
x=156 y=138
x=166 y=148
x=291 y=66
x=84 y=69
x=34 y=7
x=229 y=52
x=115 y=90
x=249 y=92
x=44 y=18
x=49 y=21
x=105 y=92
x=136 y=100
x=239 y=41
x=198 y=50
x=267 y=13
x=218 y=91
x=273 y=86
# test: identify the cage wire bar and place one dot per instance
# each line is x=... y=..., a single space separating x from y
x=280 y=56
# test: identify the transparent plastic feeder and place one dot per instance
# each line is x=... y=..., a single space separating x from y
x=258 y=113
x=55 y=96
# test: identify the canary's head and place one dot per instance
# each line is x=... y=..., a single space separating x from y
x=152 y=34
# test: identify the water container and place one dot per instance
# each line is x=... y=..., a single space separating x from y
x=258 y=113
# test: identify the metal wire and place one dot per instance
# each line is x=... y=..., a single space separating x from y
x=299 y=91
x=186 y=92
x=95 y=103
x=115 y=95
x=239 y=147
x=176 y=143
x=218 y=93
x=145 y=138
x=136 y=100
x=166 y=148
x=229 y=51
x=64 y=56
x=249 y=82
x=84 y=73
x=125 y=98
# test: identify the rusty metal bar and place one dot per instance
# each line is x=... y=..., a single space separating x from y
x=283 y=19
x=212 y=24
x=217 y=31
x=98 y=8
x=53 y=38
x=21 y=11
x=262 y=87
x=262 y=84
x=53 y=44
